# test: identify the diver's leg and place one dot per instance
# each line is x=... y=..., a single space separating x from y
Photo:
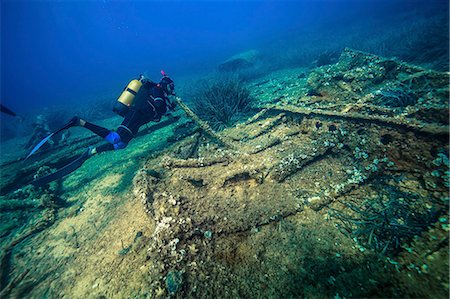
x=100 y=131
x=115 y=143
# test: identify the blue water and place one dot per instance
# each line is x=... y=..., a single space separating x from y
x=57 y=52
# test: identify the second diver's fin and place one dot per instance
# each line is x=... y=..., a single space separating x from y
x=6 y=110
x=39 y=145
x=67 y=169
x=66 y=126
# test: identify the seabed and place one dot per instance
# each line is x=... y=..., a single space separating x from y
x=336 y=187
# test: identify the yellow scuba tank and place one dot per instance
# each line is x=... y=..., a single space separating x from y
x=127 y=97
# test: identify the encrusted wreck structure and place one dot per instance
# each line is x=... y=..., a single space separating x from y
x=338 y=188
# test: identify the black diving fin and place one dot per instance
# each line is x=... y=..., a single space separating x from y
x=41 y=143
x=6 y=110
x=67 y=169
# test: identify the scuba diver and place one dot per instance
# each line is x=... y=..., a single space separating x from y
x=141 y=101
x=150 y=104
x=41 y=129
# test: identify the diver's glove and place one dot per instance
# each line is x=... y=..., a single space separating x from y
x=172 y=105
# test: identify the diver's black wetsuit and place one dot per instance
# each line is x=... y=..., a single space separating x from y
x=150 y=104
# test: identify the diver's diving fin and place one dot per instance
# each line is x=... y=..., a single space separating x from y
x=67 y=169
x=6 y=110
x=66 y=126
x=39 y=145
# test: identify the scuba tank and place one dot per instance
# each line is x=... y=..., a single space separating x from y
x=122 y=106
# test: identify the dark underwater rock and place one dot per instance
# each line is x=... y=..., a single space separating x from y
x=234 y=65
x=326 y=58
x=240 y=61
x=313 y=93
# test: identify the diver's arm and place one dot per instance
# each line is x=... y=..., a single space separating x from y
x=171 y=104
x=148 y=83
